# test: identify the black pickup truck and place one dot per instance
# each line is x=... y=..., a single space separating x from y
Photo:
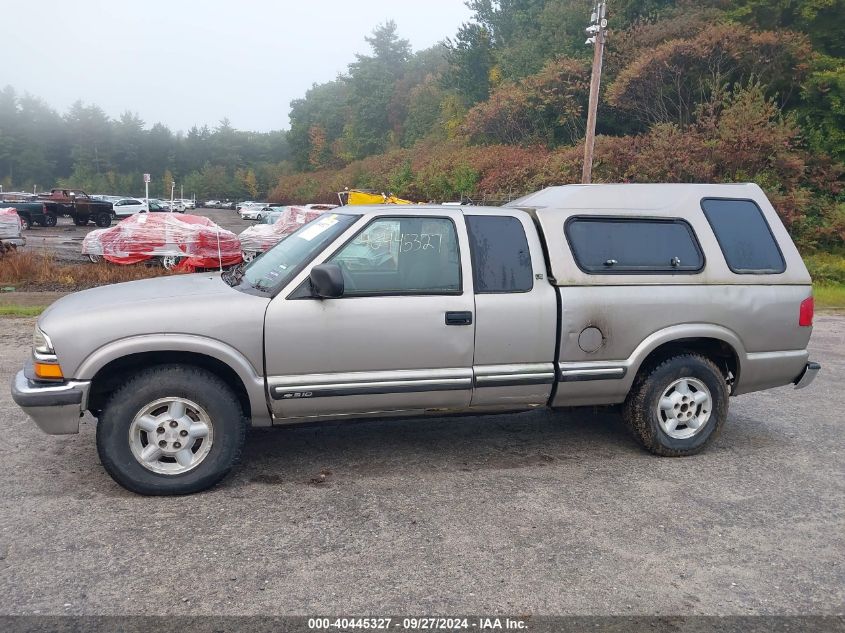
x=77 y=204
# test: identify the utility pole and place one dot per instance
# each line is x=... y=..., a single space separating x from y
x=597 y=32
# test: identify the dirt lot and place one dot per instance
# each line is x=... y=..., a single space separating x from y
x=540 y=513
x=64 y=240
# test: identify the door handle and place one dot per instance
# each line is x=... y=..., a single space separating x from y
x=459 y=318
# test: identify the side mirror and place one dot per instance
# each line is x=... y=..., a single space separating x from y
x=326 y=281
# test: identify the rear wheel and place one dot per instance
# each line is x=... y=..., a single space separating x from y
x=679 y=406
x=170 y=430
x=169 y=262
x=49 y=219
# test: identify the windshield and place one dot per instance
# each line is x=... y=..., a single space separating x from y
x=276 y=267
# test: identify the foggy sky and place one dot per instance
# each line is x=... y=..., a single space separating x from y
x=186 y=62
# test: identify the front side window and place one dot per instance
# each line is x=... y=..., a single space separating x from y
x=402 y=255
x=608 y=245
x=277 y=266
x=501 y=261
x=744 y=236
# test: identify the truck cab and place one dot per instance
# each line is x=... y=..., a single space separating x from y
x=81 y=207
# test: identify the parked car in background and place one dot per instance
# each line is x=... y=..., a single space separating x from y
x=77 y=204
x=211 y=204
x=273 y=228
x=253 y=210
x=124 y=207
x=189 y=204
x=156 y=206
x=176 y=241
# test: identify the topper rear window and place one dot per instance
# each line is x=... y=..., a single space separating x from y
x=744 y=236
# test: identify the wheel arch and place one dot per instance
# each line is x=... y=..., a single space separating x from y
x=719 y=344
x=109 y=366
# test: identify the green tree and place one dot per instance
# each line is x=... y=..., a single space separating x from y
x=470 y=58
x=371 y=83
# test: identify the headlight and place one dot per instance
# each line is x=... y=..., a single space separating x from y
x=45 y=363
x=41 y=343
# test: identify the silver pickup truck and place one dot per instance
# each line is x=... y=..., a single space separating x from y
x=665 y=299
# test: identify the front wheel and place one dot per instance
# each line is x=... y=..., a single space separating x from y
x=170 y=430
x=50 y=219
x=679 y=406
x=24 y=223
x=103 y=220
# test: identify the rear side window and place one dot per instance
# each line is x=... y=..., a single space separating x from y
x=607 y=245
x=501 y=261
x=744 y=236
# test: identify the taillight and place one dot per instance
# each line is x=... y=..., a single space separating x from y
x=805 y=313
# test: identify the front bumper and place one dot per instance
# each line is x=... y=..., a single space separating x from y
x=808 y=375
x=55 y=408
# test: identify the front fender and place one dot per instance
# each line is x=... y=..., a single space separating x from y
x=253 y=380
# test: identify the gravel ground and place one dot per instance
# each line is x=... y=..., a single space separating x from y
x=64 y=240
x=538 y=513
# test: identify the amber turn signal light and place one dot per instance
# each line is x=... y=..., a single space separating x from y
x=48 y=371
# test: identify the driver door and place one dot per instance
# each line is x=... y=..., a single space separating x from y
x=400 y=339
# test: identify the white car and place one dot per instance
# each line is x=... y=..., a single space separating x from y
x=254 y=211
x=189 y=204
x=125 y=207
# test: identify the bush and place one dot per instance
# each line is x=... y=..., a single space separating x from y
x=826 y=268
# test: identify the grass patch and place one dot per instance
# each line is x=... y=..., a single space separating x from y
x=27 y=270
x=826 y=269
x=829 y=295
x=21 y=311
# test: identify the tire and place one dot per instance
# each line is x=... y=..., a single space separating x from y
x=659 y=399
x=258 y=217
x=95 y=259
x=80 y=221
x=169 y=262
x=25 y=224
x=212 y=397
x=103 y=220
x=50 y=219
